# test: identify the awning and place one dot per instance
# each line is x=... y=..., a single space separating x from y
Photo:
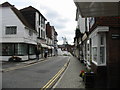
x=44 y=45
x=49 y=47
x=97 y=8
x=52 y=47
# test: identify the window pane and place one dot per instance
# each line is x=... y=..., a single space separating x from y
x=102 y=40
x=95 y=54
x=21 y=49
x=31 y=49
x=102 y=52
x=11 y=30
x=8 y=49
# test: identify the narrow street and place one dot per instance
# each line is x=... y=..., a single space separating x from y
x=35 y=75
x=54 y=44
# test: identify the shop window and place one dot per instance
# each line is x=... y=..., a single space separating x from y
x=11 y=30
x=31 y=49
x=7 y=49
x=21 y=49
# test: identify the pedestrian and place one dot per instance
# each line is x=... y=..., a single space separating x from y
x=45 y=54
x=37 y=52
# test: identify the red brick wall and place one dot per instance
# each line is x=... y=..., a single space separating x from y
x=48 y=30
x=106 y=21
x=113 y=57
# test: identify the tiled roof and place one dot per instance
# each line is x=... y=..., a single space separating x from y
x=30 y=8
x=18 y=14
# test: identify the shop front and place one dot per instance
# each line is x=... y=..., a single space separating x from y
x=23 y=50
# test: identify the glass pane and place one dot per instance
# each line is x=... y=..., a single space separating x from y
x=11 y=30
x=8 y=49
x=31 y=49
x=95 y=54
x=21 y=49
x=102 y=52
x=102 y=40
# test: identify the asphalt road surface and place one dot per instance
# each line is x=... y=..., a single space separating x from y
x=34 y=76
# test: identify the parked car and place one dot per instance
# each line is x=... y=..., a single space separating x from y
x=14 y=58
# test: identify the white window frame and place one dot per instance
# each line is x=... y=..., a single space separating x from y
x=97 y=34
x=104 y=45
x=94 y=39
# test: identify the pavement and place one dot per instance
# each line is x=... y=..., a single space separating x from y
x=70 y=78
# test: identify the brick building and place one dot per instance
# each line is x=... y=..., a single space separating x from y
x=104 y=40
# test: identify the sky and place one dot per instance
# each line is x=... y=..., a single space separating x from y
x=60 y=13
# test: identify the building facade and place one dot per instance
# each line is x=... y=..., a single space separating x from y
x=37 y=21
x=22 y=31
x=104 y=41
x=18 y=38
x=51 y=39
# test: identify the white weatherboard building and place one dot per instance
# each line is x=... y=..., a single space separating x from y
x=22 y=32
x=18 y=38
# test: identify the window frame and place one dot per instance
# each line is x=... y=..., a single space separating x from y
x=96 y=42
x=10 y=31
x=102 y=45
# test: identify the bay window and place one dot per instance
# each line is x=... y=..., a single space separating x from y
x=102 y=47
x=99 y=48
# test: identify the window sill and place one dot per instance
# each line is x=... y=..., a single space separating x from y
x=98 y=64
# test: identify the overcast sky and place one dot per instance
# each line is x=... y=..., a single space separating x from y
x=60 y=13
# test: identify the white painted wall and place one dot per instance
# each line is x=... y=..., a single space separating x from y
x=37 y=21
x=9 y=18
x=81 y=24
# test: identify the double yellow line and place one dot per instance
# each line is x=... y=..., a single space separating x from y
x=54 y=79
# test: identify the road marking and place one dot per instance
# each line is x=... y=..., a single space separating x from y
x=52 y=80
x=59 y=79
x=19 y=67
x=56 y=76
